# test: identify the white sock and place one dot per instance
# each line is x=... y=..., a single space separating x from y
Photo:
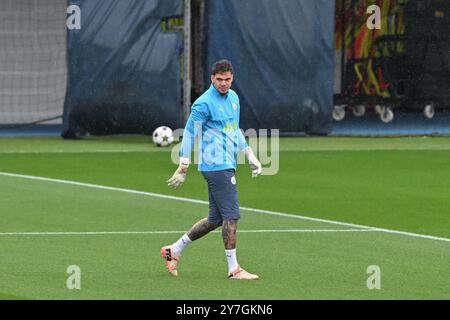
x=182 y=243
x=231 y=258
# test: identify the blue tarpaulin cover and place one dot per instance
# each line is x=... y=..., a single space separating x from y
x=125 y=77
x=124 y=71
x=283 y=55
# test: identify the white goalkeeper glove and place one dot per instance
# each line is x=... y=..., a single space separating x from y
x=255 y=165
x=180 y=174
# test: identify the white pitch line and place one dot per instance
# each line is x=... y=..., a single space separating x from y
x=273 y=213
x=96 y=233
x=153 y=150
x=79 y=152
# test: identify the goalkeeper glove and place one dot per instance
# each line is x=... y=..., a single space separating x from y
x=180 y=174
x=255 y=165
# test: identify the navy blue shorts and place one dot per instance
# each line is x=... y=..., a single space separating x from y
x=222 y=192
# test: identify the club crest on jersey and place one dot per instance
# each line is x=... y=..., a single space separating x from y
x=234 y=106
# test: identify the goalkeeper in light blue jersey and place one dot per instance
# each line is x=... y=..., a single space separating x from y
x=214 y=119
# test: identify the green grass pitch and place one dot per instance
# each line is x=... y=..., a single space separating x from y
x=114 y=235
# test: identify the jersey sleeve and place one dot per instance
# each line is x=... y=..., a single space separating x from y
x=242 y=144
x=199 y=115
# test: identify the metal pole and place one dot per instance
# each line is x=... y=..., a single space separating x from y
x=187 y=61
x=343 y=47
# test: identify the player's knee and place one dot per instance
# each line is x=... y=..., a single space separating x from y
x=233 y=220
x=215 y=223
x=230 y=223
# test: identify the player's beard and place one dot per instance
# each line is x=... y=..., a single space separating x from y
x=223 y=90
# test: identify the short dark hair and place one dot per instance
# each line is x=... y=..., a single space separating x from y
x=221 y=66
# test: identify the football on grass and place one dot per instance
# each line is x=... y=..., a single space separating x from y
x=163 y=136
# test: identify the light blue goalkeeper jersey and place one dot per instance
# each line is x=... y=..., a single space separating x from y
x=215 y=118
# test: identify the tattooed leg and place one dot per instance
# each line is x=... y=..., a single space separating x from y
x=201 y=228
x=229 y=234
